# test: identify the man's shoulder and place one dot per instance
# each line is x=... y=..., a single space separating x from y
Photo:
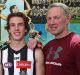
x=49 y=43
x=4 y=46
x=75 y=40
x=39 y=45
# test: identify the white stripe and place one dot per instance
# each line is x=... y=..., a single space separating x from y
x=4 y=60
x=16 y=70
x=30 y=58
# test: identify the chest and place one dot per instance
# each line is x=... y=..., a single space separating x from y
x=15 y=63
x=60 y=55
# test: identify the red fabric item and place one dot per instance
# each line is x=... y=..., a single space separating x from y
x=62 y=56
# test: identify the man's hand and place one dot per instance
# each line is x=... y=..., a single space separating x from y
x=32 y=43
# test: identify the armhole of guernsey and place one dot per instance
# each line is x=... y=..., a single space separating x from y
x=31 y=57
x=1 y=48
x=0 y=56
x=34 y=68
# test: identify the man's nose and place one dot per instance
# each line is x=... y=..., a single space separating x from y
x=16 y=27
x=52 y=21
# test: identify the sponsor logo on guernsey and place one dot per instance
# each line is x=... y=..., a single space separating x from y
x=23 y=64
x=8 y=65
x=54 y=63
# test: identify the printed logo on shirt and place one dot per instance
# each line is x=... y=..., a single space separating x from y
x=16 y=58
x=54 y=53
x=8 y=65
x=23 y=64
x=54 y=63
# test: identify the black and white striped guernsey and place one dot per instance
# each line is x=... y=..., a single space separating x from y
x=14 y=61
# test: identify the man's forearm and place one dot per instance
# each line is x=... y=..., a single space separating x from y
x=1 y=69
x=27 y=5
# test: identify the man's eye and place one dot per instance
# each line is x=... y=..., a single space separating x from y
x=48 y=18
x=12 y=25
x=20 y=24
x=56 y=17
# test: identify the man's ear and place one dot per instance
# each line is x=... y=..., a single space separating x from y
x=69 y=17
x=25 y=30
x=9 y=30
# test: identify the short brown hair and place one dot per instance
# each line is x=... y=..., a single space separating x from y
x=18 y=14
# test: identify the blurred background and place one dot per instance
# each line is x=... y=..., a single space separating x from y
x=38 y=16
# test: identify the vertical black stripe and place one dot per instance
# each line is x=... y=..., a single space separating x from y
x=23 y=57
x=1 y=56
x=11 y=60
x=2 y=63
x=34 y=66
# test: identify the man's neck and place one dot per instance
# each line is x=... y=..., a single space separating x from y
x=17 y=45
x=62 y=35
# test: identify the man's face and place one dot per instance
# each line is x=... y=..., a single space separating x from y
x=17 y=28
x=57 y=21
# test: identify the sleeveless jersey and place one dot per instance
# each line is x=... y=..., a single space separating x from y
x=18 y=62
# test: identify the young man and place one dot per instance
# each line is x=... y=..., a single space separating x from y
x=17 y=58
x=14 y=9
x=62 y=54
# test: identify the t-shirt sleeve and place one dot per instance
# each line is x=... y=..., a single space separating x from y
x=77 y=56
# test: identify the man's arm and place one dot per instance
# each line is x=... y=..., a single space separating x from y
x=0 y=64
x=39 y=58
x=27 y=5
x=4 y=17
x=28 y=8
x=0 y=69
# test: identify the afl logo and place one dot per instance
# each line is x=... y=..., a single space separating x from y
x=7 y=65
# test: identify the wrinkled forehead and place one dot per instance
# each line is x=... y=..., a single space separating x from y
x=55 y=11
